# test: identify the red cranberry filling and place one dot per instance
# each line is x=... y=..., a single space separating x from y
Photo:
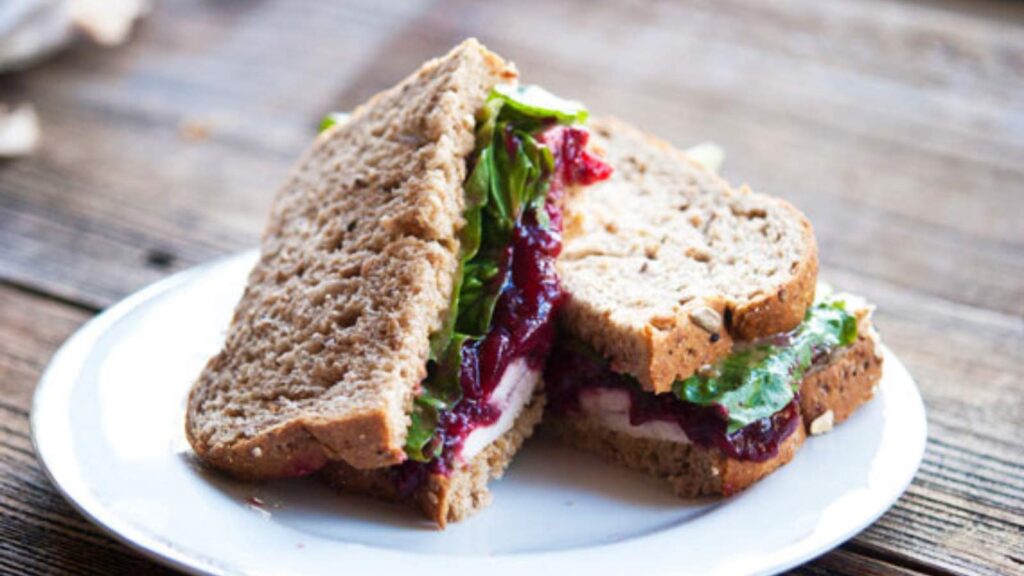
x=523 y=322
x=570 y=371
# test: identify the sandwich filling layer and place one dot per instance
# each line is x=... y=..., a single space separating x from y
x=486 y=362
x=745 y=406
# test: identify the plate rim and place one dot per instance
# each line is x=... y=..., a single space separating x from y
x=81 y=343
x=140 y=541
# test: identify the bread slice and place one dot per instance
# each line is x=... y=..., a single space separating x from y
x=449 y=498
x=330 y=339
x=829 y=396
x=666 y=263
x=838 y=388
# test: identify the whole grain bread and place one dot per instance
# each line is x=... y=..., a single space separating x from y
x=330 y=340
x=449 y=498
x=666 y=264
x=827 y=396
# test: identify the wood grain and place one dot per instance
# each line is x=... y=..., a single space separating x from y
x=898 y=127
x=39 y=532
x=845 y=561
x=125 y=188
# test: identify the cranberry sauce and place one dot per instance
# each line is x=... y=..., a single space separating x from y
x=522 y=325
x=570 y=371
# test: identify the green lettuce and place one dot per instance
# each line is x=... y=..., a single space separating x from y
x=534 y=103
x=757 y=382
x=505 y=181
x=332 y=119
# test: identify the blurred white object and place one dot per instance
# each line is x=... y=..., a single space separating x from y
x=19 y=131
x=707 y=154
x=107 y=22
x=33 y=29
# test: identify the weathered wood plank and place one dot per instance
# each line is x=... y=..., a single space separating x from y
x=121 y=177
x=39 y=532
x=31 y=328
x=845 y=128
x=845 y=561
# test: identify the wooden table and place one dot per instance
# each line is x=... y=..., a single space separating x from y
x=898 y=127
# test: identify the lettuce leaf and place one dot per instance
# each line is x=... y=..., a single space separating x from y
x=537 y=103
x=757 y=382
x=332 y=119
x=510 y=175
x=443 y=392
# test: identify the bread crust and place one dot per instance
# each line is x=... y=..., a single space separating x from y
x=637 y=278
x=330 y=340
x=784 y=308
x=830 y=396
x=451 y=498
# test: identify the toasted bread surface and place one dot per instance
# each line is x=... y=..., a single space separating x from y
x=330 y=340
x=666 y=264
x=449 y=498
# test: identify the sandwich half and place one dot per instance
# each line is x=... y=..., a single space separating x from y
x=393 y=333
x=695 y=344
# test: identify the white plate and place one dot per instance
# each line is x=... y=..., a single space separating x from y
x=107 y=422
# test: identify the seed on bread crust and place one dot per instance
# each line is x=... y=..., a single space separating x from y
x=707 y=318
x=823 y=423
x=708 y=371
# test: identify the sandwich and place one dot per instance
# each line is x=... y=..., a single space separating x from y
x=696 y=344
x=393 y=334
